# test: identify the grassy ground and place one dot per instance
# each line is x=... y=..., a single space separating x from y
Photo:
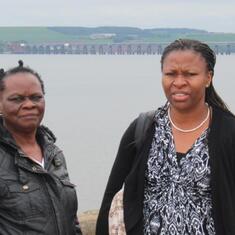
x=33 y=34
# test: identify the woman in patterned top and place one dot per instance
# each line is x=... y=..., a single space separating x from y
x=181 y=179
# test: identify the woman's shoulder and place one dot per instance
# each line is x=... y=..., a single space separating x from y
x=138 y=127
x=227 y=117
x=223 y=120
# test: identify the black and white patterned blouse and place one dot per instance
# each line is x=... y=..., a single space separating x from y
x=177 y=195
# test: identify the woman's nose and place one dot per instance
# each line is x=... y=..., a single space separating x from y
x=28 y=102
x=179 y=80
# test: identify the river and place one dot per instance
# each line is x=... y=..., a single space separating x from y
x=90 y=101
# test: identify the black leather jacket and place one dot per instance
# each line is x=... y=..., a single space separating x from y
x=34 y=200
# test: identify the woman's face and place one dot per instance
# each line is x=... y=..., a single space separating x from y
x=22 y=102
x=184 y=79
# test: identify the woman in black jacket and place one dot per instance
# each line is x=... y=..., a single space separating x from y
x=36 y=196
x=181 y=179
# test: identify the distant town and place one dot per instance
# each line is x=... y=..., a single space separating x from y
x=104 y=40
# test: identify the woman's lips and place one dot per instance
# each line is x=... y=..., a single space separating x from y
x=29 y=116
x=180 y=97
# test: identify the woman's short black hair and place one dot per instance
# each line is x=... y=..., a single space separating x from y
x=19 y=69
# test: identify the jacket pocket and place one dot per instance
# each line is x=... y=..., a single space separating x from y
x=22 y=201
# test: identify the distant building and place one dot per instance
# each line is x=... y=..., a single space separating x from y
x=102 y=35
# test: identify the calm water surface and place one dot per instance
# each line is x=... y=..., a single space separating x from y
x=92 y=99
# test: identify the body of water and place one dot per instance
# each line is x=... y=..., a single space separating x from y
x=90 y=101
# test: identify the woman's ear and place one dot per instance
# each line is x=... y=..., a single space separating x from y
x=209 y=78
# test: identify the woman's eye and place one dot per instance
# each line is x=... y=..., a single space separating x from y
x=169 y=74
x=21 y=99
x=17 y=99
x=36 y=98
x=190 y=74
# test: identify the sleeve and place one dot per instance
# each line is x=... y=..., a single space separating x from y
x=121 y=168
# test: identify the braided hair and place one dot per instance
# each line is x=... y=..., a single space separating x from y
x=212 y=98
x=19 y=69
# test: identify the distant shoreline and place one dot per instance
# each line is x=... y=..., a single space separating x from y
x=104 y=40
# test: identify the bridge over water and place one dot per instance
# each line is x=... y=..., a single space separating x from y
x=107 y=49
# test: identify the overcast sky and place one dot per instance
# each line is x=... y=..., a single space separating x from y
x=210 y=15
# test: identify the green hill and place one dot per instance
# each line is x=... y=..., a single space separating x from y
x=106 y=35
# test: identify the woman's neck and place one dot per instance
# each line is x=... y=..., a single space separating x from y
x=23 y=139
x=29 y=145
x=189 y=118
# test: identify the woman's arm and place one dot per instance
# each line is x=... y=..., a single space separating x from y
x=120 y=170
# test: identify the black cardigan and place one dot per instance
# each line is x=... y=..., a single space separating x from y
x=130 y=166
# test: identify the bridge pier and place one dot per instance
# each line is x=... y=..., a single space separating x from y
x=102 y=49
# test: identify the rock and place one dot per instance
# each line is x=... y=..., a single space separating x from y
x=87 y=220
